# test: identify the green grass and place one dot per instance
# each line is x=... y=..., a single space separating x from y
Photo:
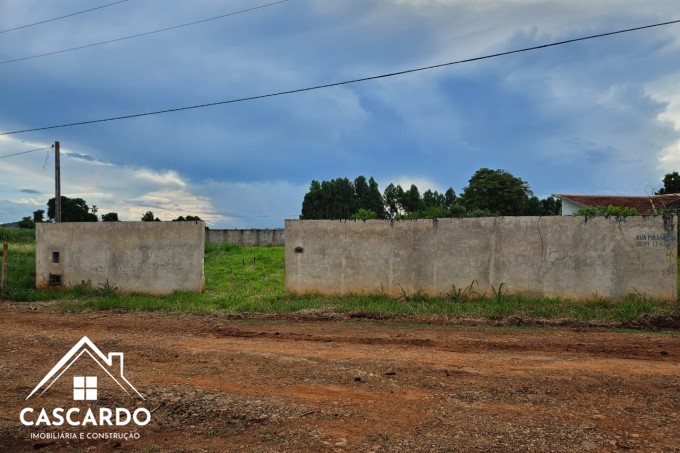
x=21 y=272
x=238 y=279
x=251 y=280
x=16 y=235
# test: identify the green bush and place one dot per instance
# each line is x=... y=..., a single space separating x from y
x=364 y=214
x=609 y=211
x=17 y=235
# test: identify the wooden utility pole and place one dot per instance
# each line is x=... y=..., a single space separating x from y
x=57 y=183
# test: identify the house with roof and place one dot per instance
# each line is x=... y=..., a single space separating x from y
x=645 y=205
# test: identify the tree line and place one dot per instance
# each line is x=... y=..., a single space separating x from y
x=488 y=193
x=77 y=210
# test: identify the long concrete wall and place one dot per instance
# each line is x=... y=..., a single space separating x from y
x=143 y=257
x=571 y=257
x=249 y=238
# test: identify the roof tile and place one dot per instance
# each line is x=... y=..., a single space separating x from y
x=645 y=205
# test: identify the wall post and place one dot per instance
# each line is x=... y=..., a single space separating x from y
x=3 y=280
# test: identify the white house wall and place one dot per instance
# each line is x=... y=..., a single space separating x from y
x=569 y=208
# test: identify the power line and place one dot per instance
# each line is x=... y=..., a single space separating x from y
x=346 y=82
x=26 y=152
x=63 y=17
x=174 y=27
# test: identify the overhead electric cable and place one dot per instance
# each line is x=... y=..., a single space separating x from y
x=62 y=17
x=346 y=82
x=25 y=152
x=174 y=27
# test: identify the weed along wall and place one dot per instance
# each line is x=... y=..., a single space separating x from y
x=143 y=257
x=571 y=257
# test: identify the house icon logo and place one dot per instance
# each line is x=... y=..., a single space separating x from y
x=85 y=387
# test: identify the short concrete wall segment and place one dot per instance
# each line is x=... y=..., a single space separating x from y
x=573 y=257
x=254 y=237
x=143 y=257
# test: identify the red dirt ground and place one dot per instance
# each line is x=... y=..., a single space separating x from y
x=218 y=384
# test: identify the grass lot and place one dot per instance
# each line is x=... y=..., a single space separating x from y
x=251 y=280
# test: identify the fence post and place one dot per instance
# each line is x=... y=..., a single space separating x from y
x=3 y=282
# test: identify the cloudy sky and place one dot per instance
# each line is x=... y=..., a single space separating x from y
x=595 y=117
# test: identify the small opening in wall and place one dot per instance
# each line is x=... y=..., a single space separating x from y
x=55 y=279
x=55 y=257
x=299 y=250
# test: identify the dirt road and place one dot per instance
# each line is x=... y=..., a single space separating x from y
x=212 y=383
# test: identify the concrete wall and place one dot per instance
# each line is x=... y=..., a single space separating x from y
x=247 y=237
x=570 y=257
x=144 y=257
